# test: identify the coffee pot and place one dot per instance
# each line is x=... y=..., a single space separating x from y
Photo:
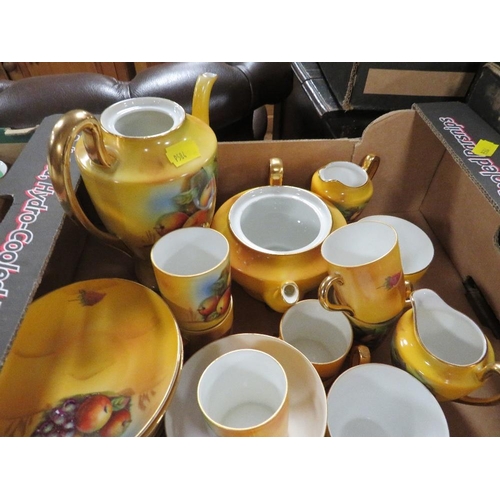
x=147 y=165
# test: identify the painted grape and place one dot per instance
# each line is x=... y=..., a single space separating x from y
x=92 y=415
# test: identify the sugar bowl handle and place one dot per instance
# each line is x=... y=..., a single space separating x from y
x=276 y=172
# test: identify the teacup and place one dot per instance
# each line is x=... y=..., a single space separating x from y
x=324 y=337
x=417 y=250
x=346 y=185
x=192 y=268
x=378 y=400
x=244 y=393
x=444 y=349
x=193 y=340
x=364 y=271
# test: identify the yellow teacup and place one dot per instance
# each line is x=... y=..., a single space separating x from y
x=192 y=268
x=365 y=272
x=324 y=337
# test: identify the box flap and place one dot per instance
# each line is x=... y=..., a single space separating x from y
x=28 y=230
x=463 y=133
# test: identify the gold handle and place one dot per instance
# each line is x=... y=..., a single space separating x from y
x=483 y=375
x=276 y=172
x=370 y=163
x=323 y=295
x=408 y=294
x=359 y=355
x=61 y=143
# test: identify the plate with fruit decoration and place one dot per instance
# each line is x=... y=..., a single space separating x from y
x=95 y=358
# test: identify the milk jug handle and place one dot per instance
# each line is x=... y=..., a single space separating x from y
x=370 y=164
x=61 y=142
x=488 y=370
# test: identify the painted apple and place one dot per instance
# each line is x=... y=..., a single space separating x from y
x=170 y=221
x=117 y=424
x=208 y=306
x=93 y=413
x=224 y=301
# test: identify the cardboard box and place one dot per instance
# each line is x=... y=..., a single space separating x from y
x=426 y=175
x=311 y=111
x=390 y=86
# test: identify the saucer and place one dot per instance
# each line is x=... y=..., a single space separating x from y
x=417 y=250
x=307 y=412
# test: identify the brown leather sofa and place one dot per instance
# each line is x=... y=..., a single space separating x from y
x=237 y=104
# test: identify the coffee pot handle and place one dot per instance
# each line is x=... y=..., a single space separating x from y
x=61 y=142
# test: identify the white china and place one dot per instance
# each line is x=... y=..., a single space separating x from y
x=416 y=248
x=378 y=400
x=307 y=398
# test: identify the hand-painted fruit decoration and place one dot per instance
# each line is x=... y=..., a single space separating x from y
x=217 y=303
x=87 y=415
x=193 y=207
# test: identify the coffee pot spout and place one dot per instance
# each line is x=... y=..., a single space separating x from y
x=201 y=96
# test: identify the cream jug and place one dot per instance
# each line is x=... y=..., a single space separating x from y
x=346 y=185
x=444 y=349
x=148 y=167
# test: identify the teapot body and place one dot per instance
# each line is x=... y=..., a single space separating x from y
x=279 y=279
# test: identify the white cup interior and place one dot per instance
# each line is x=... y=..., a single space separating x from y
x=189 y=251
x=322 y=336
x=446 y=333
x=242 y=389
x=359 y=243
x=280 y=219
x=142 y=117
x=378 y=400
x=346 y=172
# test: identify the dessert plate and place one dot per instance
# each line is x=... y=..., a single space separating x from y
x=94 y=358
x=307 y=416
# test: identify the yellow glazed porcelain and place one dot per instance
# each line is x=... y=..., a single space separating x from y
x=271 y=257
x=95 y=358
x=193 y=273
x=365 y=271
x=347 y=185
x=148 y=167
x=444 y=349
x=324 y=337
